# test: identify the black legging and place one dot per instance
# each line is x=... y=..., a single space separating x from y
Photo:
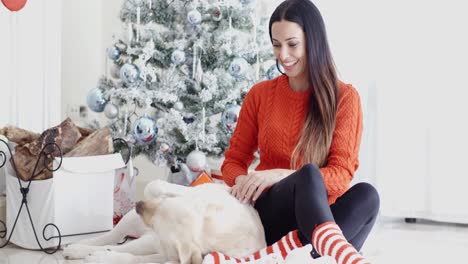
x=300 y=201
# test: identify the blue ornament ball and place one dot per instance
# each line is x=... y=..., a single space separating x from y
x=194 y=17
x=129 y=73
x=178 y=57
x=273 y=71
x=238 y=67
x=113 y=53
x=96 y=100
x=145 y=130
x=229 y=117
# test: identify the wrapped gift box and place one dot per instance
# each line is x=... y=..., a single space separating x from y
x=78 y=200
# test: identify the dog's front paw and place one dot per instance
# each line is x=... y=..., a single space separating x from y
x=77 y=251
x=109 y=257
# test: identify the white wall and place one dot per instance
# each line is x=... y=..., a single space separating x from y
x=82 y=50
x=422 y=140
x=30 y=64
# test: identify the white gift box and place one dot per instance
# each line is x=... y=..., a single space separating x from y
x=78 y=200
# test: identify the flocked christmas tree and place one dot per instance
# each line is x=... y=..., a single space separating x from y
x=179 y=74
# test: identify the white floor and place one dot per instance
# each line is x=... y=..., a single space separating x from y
x=392 y=241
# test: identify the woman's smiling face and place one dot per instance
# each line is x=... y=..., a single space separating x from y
x=289 y=47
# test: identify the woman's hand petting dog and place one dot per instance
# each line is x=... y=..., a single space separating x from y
x=249 y=187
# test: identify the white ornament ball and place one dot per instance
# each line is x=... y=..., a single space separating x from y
x=111 y=111
x=196 y=161
x=216 y=13
x=164 y=147
x=178 y=57
x=194 y=17
x=179 y=106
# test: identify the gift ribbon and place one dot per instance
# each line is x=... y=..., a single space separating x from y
x=217 y=176
x=122 y=177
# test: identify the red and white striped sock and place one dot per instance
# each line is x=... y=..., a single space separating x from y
x=328 y=240
x=281 y=248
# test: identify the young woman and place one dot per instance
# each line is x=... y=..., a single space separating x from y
x=307 y=125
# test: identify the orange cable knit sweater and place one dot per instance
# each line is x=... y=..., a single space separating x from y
x=271 y=119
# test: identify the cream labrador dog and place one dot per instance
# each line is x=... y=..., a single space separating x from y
x=178 y=224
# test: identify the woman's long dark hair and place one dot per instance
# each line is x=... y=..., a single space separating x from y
x=316 y=136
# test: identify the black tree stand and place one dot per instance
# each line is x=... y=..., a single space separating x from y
x=48 y=155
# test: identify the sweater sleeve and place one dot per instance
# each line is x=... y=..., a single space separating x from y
x=343 y=160
x=243 y=142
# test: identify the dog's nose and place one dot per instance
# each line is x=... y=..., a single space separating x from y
x=139 y=207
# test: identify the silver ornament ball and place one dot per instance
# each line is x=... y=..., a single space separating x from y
x=238 y=67
x=145 y=130
x=111 y=111
x=178 y=57
x=229 y=117
x=129 y=73
x=113 y=53
x=96 y=100
x=273 y=71
x=194 y=17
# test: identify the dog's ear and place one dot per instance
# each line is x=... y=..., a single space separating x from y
x=189 y=253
